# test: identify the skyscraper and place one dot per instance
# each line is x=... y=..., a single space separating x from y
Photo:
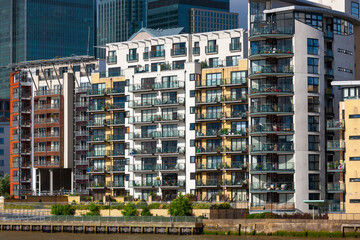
x=118 y=20
x=40 y=29
x=171 y=14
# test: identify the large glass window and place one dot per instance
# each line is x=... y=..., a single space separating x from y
x=355 y=9
x=313 y=104
x=313 y=123
x=313 y=65
x=313 y=46
x=314 y=182
x=313 y=143
x=313 y=84
x=314 y=162
x=213 y=79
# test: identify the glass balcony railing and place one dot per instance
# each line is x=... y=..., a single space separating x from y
x=234 y=182
x=172 y=183
x=81 y=162
x=272 y=108
x=234 y=81
x=117 y=121
x=335 y=124
x=46 y=106
x=272 y=127
x=115 y=137
x=156 y=102
x=117 y=106
x=48 y=92
x=335 y=187
x=95 y=92
x=270 y=186
x=96 y=138
x=156 y=118
x=142 y=151
x=272 y=89
x=271 y=50
x=115 y=184
x=272 y=69
x=335 y=167
x=97 y=184
x=97 y=107
x=209 y=83
x=209 y=116
x=145 y=184
x=98 y=122
x=113 y=73
x=132 y=57
x=235 y=46
x=111 y=59
x=272 y=147
x=98 y=153
x=272 y=167
x=222 y=98
x=178 y=51
x=157 y=86
x=211 y=49
x=99 y=169
x=207 y=182
x=155 y=134
x=220 y=149
x=336 y=145
x=270 y=29
x=157 y=53
x=46 y=163
x=116 y=152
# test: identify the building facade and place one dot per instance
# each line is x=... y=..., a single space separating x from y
x=4 y=148
x=163 y=108
x=43 y=142
x=30 y=30
x=296 y=50
x=195 y=15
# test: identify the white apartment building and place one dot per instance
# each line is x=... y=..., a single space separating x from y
x=162 y=70
x=297 y=48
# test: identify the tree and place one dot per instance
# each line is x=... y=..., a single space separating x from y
x=5 y=186
x=62 y=210
x=94 y=210
x=180 y=206
x=146 y=211
x=129 y=210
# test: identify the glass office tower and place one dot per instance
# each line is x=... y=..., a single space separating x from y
x=43 y=29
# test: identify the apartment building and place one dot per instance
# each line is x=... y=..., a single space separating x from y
x=164 y=89
x=43 y=106
x=343 y=185
x=297 y=48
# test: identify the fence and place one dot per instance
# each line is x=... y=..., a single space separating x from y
x=228 y=213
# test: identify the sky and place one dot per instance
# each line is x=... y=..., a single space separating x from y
x=240 y=6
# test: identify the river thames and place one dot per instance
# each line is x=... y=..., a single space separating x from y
x=68 y=236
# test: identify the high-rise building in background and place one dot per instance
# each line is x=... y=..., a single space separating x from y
x=38 y=29
x=194 y=16
x=117 y=20
x=296 y=51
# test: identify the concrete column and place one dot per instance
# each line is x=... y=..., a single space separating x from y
x=72 y=181
x=51 y=182
x=39 y=183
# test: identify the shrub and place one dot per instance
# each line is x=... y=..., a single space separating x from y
x=154 y=206
x=201 y=206
x=129 y=210
x=224 y=205
x=146 y=211
x=180 y=206
x=62 y=210
x=94 y=210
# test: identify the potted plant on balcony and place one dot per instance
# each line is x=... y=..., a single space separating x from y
x=224 y=131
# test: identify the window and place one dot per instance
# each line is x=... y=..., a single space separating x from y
x=238 y=77
x=192 y=143
x=354 y=116
x=111 y=57
x=192 y=110
x=1 y=163
x=341 y=69
x=313 y=65
x=314 y=162
x=355 y=9
x=192 y=126
x=1 y=130
x=354 y=179
x=192 y=159
x=313 y=104
x=192 y=176
x=314 y=142
x=213 y=79
x=314 y=182
x=311 y=19
x=313 y=84
x=354 y=158
x=235 y=44
x=354 y=200
x=192 y=93
x=313 y=124
x=354 y=137
x=313 y=46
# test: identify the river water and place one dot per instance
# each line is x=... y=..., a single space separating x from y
x=68 y=236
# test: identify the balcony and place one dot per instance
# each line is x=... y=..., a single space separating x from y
x=234 y=183
x=81 y=133
x=171 y=167
x=272 y=89
x=169 y=85
x=15 y=178
x=48 y=92
x=156 y=102
x=273 y=51
x=234 y=82
x=96 y=138
x=96 y=154
x=328 y=54
x=98 y=123
x=46 y=106
x=116 y=106
x=157 y=135
x=220 y=99
x=209 y=83
x=272 y=187
x=335 y=167
x=334 y=125
x=235 y=116
x=337 y=187
x=272 y=128
x=97 y=108
x=115 y=184
x=267 y=109
x=270 y=30
x=81 y=119
x=94 y=170
x=271 y=70
x=96 y=185
x=79 y=177
x=132 y=57
x=116 y=122
x=209 y=167
x=116 y=169
x=115 y=138
x=115 y=153
x=81 y=148
x=157 y=167
x=46 y=149
x=46 y=120
x=209 y=183
x=111 y=74
x=38 y=164
x=214 y=133
x=117 y=91
x=172 y=183
x=336 y=145
x=111 y=59
x=145 y=184
x=178 y=52
x=157 y=118
x=98 y=92
x=170 y=150
x=271 y=167
x=329 y=74
x=267 y=148
x=81 y=104
x=209 y=116
x=142 y=152
x=211 y=49
x=81 y=162
x=157 y=54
